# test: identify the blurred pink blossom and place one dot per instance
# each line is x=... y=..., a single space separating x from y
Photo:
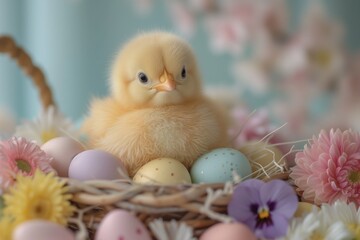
x=227 y=35
x=202 y=6
x=252 y=76
x=347 y=100
x=249 y=126
x=182 y=17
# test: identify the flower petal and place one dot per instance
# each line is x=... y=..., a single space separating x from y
x=245 y=196
x=283 y=195
x=252 y=183
x=278 y=229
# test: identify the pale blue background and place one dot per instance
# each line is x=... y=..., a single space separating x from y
x=74 y=42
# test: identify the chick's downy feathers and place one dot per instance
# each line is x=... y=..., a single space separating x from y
x=156 y=107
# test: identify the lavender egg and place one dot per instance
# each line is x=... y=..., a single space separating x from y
x=96 y=164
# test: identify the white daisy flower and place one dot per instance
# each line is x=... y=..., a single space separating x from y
x=348 y=214
x=339 y=221
x=342 y=211
x=339 y=231
x=308 y=228
x=50 y=124
x=172 y=230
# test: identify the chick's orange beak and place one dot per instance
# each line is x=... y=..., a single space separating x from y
x=167 y=82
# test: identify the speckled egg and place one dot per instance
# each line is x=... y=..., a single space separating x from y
x=163 y=171
x=121 y=225
x=218 y=166
x=96 y=164
x=228 y=231
x=63 y=150
x=42 y=230
x=262 y=156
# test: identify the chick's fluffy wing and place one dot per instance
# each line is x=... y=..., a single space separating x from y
x=103 y=114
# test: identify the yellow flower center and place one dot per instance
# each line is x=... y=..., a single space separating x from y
x=355 y=229
x=263 y=213
x=23 y=165
x=354 y=177
x=321 y=57
x=316 y=236
x=48 y=135
x=41 y=210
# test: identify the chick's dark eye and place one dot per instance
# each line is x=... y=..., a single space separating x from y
x=143 y=78
x=183 y=73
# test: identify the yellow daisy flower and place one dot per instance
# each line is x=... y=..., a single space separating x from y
x=39 y=197
x=6 y=228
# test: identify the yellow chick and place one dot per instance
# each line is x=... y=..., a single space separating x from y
x=156 y=107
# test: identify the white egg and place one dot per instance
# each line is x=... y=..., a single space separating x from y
x=63 y=150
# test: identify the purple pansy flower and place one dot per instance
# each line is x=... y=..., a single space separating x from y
x=265 y=207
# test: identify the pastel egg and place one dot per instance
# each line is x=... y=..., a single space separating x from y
x=96 y=164
x=304 y=208
x=42 y=230
x=163 y=171
x=262 y=156
x=63 y=150
x=121 y=225
x=218 y=166
x=228 y=231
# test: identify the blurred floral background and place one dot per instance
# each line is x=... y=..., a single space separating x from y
x=270 y=62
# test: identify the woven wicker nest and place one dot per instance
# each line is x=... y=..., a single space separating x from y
x=197 y=205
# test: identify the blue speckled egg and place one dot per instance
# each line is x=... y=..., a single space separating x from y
x=217 y=166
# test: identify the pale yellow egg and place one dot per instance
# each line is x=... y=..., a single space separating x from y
x=163 y=171
x=304 y=208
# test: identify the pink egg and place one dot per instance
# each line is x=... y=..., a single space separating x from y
x=228 y=231
x=63 y=150
x=42 y=230
x=96 y=164
x=121 y=225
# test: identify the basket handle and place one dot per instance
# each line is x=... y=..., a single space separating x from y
x=8 y=46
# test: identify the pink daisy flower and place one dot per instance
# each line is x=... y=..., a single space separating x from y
x=329 y=168
x=20 y=156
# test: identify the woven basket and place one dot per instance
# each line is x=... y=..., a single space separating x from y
x=197 y=205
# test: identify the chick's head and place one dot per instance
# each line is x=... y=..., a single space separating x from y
x=155 y=69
